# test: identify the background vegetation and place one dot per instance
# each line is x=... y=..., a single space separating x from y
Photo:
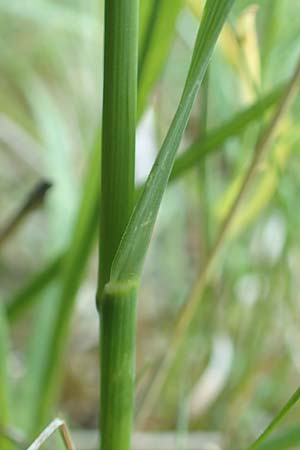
x=240 y=360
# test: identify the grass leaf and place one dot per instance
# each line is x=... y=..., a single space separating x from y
x=46 y=368
x=282 y=413
x=28 y=294
x=154 y=47
x=218 y=136
x=288 y=438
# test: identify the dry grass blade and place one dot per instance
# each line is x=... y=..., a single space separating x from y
x=189 y=308
x=56 y=424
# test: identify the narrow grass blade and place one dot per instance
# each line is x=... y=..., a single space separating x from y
x=288 y=438
x=155 y=45
x=282 y=413
x=130 y=255
x=47 y=365
x=271 y=13
x=233 y=127
x=28 y=295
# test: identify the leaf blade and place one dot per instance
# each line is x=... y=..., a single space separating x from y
x=282 y=413
x=157 y=38
x=217 y=136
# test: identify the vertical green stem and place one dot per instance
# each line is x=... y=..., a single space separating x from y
x=118 y=317
x=119 y=121
x=117 y=304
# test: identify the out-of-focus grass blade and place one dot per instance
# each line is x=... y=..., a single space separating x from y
x=264 y=189
x=233 y=127
x=130 y=255
x=270 y=13
x=282 y=413
x=144 y=16
x=155 y=43
x=47 y=368
x=288 y=438
x=26 y=296
x=51 y=15
x=4 y=382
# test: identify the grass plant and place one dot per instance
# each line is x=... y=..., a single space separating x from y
x=123 y=246
x=239 y=161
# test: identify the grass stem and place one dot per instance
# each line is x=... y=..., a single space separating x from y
x=117 y=304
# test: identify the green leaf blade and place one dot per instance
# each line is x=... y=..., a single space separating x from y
x=157 y=34
x=271 y=427
x=218 y=136
x=27 y=295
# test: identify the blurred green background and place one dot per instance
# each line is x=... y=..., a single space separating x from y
x=241 y=360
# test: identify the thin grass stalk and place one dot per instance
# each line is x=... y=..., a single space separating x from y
x=118 y=336
x=189 y=308
x=118 y=128
x=117 y=305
